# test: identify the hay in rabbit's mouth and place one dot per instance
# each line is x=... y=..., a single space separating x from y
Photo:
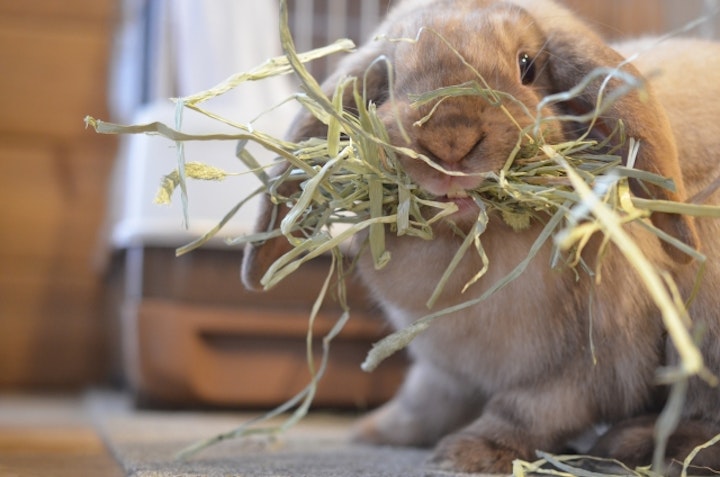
x=352 y=178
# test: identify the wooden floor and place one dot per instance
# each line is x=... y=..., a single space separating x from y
x=50 y=437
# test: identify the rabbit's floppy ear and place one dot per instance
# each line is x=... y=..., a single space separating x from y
x=575 y=52
x=258 y=257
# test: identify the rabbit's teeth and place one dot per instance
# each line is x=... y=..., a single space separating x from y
x=457 y=194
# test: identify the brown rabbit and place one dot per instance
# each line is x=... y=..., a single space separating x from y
x=516 y=373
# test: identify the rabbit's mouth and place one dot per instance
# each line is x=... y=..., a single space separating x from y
x=466 y=205
x=457 y=193
x=454 y=190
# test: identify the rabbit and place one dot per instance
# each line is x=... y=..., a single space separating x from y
x=539 y=363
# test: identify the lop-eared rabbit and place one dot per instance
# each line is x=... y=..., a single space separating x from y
x=517 y=372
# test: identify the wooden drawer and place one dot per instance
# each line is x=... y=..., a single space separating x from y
x=193 y=336
x=253 y=357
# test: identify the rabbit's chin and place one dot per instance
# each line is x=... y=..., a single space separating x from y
x=467 y=210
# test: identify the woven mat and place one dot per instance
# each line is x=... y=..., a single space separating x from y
x=145 y=443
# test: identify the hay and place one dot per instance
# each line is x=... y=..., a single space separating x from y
x=352 y=178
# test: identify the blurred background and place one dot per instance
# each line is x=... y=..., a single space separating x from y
x=91 y=294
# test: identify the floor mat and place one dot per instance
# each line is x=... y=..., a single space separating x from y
x=146 y=444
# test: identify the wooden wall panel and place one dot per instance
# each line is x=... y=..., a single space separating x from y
x=57 y=76
x=52 y=332
x=53 y=180
x=628 y=18
x=59 y=12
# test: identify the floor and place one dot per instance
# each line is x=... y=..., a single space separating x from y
x=147 y=443
x=63 y=436
x=101 y=434
x=51 y=436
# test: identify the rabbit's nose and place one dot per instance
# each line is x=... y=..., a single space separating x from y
x=452 y=141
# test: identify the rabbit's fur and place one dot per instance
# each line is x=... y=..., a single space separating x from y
x=517 y=372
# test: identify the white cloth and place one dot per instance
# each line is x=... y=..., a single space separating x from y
x=174 y=48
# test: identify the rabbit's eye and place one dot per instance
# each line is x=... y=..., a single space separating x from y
x=527 y=68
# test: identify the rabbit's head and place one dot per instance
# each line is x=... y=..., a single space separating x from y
x=521 y=52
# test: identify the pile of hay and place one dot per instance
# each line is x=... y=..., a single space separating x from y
x=352 y=179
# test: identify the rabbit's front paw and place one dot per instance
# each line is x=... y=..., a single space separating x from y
x=393 y=425
x=470 y=453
